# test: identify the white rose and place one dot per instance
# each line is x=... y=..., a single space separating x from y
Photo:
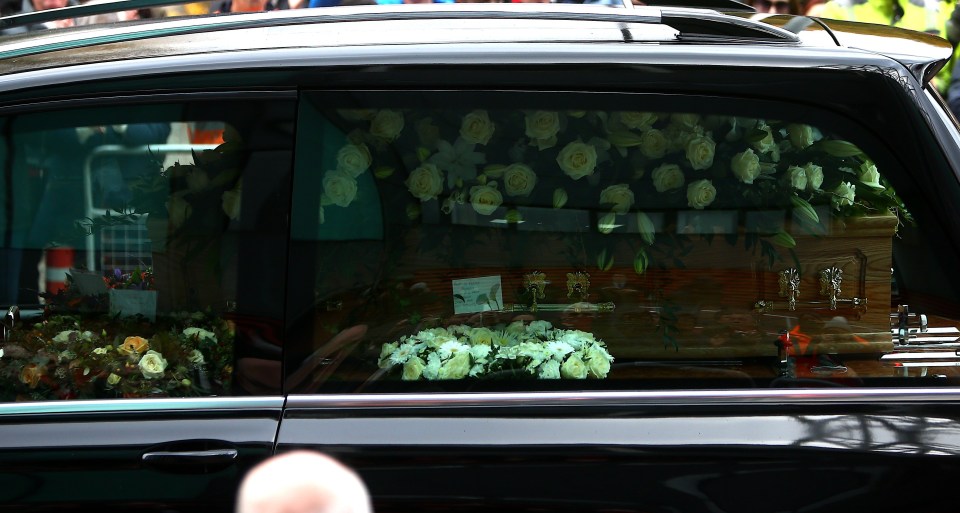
x=199 y=334
x=542 y=127
x=700 y=151
x=425 y=182
x=550 y=370
x=619 y=195
x=843 y=195
x=385 y=351
x=869 y=175
x=701 y=194
x=113 y=379
x=814 y=176
x=485 y=199
x=387 y=124
x=598 y=362
x=578 y=159
x=796 y=177
x=456 y=367
x=195 y=357
x=354 y=159
x=518 y=180
x=152 y=365
x=746 y=166
x=653 y=144
x=638 y=120
x=801 y=136
x=413 y=369
x=574 y=368
x=339 y=187
x=766 y=144
x=667 y=177
x=477 y=127
x=481 y=336
x=685 y=120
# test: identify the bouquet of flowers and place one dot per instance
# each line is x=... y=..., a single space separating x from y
x=135 y=280
x=60 y=358
x=460 y=351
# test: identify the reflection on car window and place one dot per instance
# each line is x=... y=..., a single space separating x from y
x=123 y=231
x=561 y=246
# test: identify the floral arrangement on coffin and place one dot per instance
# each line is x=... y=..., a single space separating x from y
x=462 y=351
x=62 y=358
x=138 y=279
x=619 y=163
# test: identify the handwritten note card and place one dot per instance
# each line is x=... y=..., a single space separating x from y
x=481 y=294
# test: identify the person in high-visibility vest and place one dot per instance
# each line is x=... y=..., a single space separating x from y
x=929 y=16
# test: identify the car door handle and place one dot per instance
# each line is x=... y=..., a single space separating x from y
x=207 y=459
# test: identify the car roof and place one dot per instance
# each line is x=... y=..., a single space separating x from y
x=460 y=30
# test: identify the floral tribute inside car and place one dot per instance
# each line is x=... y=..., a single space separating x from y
x=155 y=331
x=680 y=236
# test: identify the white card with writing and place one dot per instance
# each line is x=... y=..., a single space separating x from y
x=481 y=294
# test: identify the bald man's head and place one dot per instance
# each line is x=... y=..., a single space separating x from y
x=302 y=482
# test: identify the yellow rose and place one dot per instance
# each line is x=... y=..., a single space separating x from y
x=518 y=180
x=746 y=166
x=354 y=159
x=701 y=194
x=542 y=128
x=133 y=345
x=667 y=177
x=700 y=151
x=578 y=159
x=413 y=369
x=30 y=374
x=339 y=187
x=620 y=196
x=573 y=368
x=477 y=127
x=387 y=124
x=485 y=199
x=638 y=120
x=425 y=182
x=457 y=367
x=152 y=365
x=653 y=144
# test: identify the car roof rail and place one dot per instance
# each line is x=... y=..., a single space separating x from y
x=693 y=24
x=717 y=5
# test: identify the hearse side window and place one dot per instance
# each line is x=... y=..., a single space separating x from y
x=142 y=246
x=554 y=241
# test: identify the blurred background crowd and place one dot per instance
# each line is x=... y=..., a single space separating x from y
x=939 y=17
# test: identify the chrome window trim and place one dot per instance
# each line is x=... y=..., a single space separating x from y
x=783 y=397
x=453 y=54
x=143 y=405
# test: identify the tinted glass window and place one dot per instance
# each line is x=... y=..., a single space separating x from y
x=523 y=241
x=127 y=234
